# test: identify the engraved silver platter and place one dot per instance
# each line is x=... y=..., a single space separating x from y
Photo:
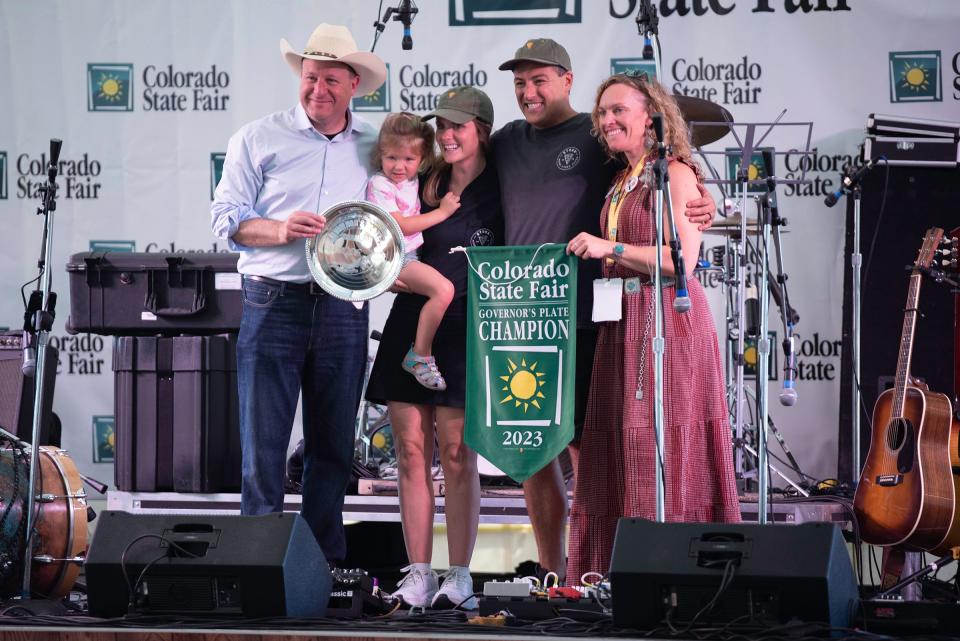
x=358 y=254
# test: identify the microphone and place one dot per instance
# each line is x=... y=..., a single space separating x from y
x=788 y=395
x=29 y=365
x=405 y=14
x=55 y=145
x=849 y=181
x=657 y=119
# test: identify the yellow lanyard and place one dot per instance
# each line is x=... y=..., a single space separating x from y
x=619 y=195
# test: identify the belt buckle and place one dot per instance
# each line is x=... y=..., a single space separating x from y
x=314 y=288
x=631 y=285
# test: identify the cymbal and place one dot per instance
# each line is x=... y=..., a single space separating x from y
x=733 y=222
x=700 y=110
x=730 y=226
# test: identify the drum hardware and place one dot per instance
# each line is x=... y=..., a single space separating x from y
x=46 y=558
x=738 y=256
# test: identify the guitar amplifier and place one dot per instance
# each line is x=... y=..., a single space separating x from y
x=18 y=391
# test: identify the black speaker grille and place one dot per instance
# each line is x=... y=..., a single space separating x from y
x=181 y=593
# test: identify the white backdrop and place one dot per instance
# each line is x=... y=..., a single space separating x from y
x=145 y=95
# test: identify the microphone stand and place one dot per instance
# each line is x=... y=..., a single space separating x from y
x=850 y=185
x=788 y=396
x=42 y=323
x=662 y=196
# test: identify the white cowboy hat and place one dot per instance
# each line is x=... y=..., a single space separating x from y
x=332 y=42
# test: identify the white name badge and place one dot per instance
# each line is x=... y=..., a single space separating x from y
x=607 y=294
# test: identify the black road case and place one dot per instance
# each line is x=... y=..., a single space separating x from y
x=177 y=420
x=148 y=293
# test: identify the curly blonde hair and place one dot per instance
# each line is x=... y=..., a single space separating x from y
x=402 y=130
x=675 y=130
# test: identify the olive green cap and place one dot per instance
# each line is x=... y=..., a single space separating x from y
x=463 y=104
x=542 y=50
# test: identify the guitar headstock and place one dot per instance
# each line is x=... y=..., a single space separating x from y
x=931 y=242
x=948 y=251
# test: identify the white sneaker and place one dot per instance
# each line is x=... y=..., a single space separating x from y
x=417 y=589
x=456 y=591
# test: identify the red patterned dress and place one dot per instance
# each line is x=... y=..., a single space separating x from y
x=616 y=473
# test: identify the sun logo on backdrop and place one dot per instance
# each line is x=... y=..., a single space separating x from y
x=915 y=76
x=522 y=384
x=110 y=87
x=754 y=171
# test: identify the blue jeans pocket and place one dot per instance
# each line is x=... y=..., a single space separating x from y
x=259 y=294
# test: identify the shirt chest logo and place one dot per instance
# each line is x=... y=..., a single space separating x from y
x=483 y=237
x=568 y=158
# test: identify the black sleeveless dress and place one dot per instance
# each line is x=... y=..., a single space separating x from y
x=478 y=222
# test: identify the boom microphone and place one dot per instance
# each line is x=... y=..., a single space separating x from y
x=850 y=179
x=788 y=395
x=404 y=15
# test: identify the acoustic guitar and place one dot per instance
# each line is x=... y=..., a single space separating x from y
x=906 y=493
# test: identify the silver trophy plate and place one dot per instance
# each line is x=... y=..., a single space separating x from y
x=358 y=254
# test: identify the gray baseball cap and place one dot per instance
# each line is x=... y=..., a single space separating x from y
x=463 y=104
x=542 y=50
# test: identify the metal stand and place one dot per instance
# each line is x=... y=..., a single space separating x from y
x=663 y=192
x=42 y=323
x=737 y=248
x=856 y=260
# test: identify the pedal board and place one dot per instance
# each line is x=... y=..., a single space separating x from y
x=539 y=608
x=898 y=617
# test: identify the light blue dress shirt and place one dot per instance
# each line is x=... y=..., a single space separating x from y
x=280 y=164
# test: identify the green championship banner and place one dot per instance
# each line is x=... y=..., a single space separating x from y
x=521 y=355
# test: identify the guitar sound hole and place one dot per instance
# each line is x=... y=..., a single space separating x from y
x=896 y=433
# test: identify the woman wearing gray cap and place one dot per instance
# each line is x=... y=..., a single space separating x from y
x=464 y=121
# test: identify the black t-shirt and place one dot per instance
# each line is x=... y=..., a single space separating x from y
x=553 y=182
x=478 y=222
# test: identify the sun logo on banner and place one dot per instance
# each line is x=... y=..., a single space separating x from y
x=109 y=87
x=915 y=76
x=523 y=383
x=756 y=170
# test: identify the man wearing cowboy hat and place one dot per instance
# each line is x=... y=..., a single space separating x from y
x=279 y=174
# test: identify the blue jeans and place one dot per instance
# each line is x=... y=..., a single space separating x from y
x=291 y=341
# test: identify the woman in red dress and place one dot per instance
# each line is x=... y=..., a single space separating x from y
x=618 y=446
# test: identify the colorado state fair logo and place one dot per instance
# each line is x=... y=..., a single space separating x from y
x=216 y=170
x=109 y=87
x=472 y=13
x=376 y=100
x=483 y=237
x=915 y=76
x=104 y=439
x=568 y=158
x=757 y=170
x=3 y=175
x=633 y=66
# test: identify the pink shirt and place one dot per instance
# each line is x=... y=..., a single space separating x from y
x=393 y=197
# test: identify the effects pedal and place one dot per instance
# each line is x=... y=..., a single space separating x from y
x=354 y=593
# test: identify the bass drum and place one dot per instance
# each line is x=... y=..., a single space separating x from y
x=60 y=523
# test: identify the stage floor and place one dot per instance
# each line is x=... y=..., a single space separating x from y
x=497 y=505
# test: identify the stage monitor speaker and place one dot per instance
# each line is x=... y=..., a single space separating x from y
x=17 y=391
x=671 y=571
x=253 y=566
